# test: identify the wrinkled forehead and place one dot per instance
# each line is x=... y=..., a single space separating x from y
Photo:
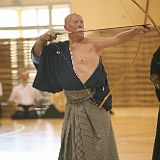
x=72 y=17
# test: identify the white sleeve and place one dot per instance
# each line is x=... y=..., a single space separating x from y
x=36 y=59
x=13 y=96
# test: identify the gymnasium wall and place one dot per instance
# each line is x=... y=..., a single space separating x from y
x=102 y=13
x=135 y=90
x=110 y=13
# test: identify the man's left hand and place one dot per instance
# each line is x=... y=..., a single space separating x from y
x=142 y=30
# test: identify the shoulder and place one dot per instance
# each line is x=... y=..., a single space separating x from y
x=62 y=44
x=17 y=88
x=54 y=47
x=90 y=42
x=30 y=87
x=93 y=45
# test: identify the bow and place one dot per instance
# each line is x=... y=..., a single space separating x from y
x=149 y=17
x=99 y=29
x=138 y=51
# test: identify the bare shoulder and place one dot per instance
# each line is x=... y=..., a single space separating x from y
x=90 y=46
x=103 y=42
x=91 y=41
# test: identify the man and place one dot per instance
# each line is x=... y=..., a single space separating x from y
x=155 y=78
x=75 y=66
x=24 y=97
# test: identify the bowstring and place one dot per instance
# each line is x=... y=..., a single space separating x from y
x=126 y=10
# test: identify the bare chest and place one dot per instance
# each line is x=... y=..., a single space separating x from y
x=84 y=55
x=84 y=60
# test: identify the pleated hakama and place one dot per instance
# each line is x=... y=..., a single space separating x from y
x=87 y=132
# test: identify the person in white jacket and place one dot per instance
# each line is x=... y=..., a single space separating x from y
x=24 y=97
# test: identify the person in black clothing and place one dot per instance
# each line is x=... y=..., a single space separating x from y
x=155 y=78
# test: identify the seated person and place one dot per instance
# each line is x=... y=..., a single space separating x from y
x=25 y=97
x=53 y=112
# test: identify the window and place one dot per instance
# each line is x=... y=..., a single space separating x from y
x=59 y=12
x=43 y=17
x=26 y=23
x=35 y=17
x=8 y=18
x=30 y=22
x=29 y=17
x=9 y=34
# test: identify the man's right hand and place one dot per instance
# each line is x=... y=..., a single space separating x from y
x=48 y=36
x=42 y=41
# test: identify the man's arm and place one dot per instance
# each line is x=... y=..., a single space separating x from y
x=42 y=41
x=120 y=38
x=12 y=101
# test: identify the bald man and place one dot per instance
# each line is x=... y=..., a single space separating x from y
x=76 y=67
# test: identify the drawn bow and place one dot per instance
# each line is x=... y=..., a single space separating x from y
x=136 y=55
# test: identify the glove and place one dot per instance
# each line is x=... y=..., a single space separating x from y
x=48 y=36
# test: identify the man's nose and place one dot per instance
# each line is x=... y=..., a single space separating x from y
x=80 y=25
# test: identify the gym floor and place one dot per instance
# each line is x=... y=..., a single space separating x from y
x=40 y=138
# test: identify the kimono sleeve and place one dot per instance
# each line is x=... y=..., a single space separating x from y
x=46 y=79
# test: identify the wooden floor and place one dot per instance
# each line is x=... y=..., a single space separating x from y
x=40 y=139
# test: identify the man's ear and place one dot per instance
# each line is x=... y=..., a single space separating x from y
x=65 y=27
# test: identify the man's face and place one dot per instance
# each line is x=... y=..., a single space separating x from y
x=24 y=76
x=73 y=23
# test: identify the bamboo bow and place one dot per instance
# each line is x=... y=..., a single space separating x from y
x=136 y=55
